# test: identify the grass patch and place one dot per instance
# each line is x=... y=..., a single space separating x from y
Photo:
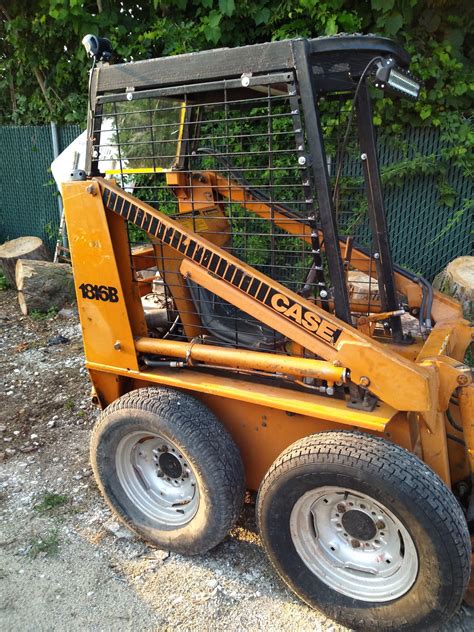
x=51 y=501
x=37 y=315
x=69 y=404
x=47 y=545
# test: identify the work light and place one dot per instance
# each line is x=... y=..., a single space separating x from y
x=99 y=48
x=390 y=77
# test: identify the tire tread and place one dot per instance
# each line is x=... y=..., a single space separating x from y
x=385 y=460
x=203 y=430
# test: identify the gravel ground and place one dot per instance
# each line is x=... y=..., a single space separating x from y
x=65 y=564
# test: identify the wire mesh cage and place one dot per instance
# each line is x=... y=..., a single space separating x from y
x=231 y=161
x=232 y=167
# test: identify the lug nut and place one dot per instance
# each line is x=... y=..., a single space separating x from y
x=341 y=508
x=380 y=524
x=355 y=544
x=364 y=381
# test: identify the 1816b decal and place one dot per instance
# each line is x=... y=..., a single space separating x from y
x=99 y=292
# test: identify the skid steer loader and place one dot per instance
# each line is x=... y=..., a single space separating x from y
x=245 y=326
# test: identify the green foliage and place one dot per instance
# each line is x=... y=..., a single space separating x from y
x=51 y=501
x=469 y=357
x=44 y=69
x=3 y=281
x=46 y=545
x=37 y=315
x=40 y=44
x=69 y=404
x=137 y=235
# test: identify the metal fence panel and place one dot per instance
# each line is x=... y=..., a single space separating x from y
x=425 y=234
x=28 y=194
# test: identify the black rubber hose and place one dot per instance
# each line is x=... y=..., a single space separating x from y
x=455 y=425
x=455 y=439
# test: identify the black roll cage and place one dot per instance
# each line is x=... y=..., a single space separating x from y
x=322 y=67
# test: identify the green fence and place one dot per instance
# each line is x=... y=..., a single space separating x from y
x=28 y=194
x=425 y=233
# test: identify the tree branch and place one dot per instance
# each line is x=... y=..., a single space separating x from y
x=5 y=12
x=11 y=86
x=42 y=85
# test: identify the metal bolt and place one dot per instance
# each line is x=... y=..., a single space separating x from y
x=330 y=391
x=364 y=381
x=129 y=96
x=355 y=544
x=337 y=363
x=117 y=345
x=463 y=380
x=376 y=255
x=301 y=160
x=341 y=508
x=245 y=81
x=380 y=524
x=323 y=294
x=91 y=189
x=363 y=156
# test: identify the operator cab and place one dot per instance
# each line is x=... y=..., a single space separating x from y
x=249 y=147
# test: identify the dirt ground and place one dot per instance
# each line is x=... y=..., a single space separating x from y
x=65 y=564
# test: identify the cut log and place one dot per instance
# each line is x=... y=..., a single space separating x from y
x=362 y=288
x=43 y=285
x=21 y=248
x=457 y=280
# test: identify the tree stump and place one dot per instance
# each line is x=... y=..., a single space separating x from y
x=43 y=285
x=21 y=248
x=362 y=288
x=457 y=280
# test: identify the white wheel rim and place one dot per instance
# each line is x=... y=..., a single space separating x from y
x=157 y=478
x=354 y=544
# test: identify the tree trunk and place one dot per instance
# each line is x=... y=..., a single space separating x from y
x=43 y=285
x=457 y=280
x=21 y=248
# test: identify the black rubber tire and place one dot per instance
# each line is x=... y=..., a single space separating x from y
x=406 y=486
x=206 y=444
